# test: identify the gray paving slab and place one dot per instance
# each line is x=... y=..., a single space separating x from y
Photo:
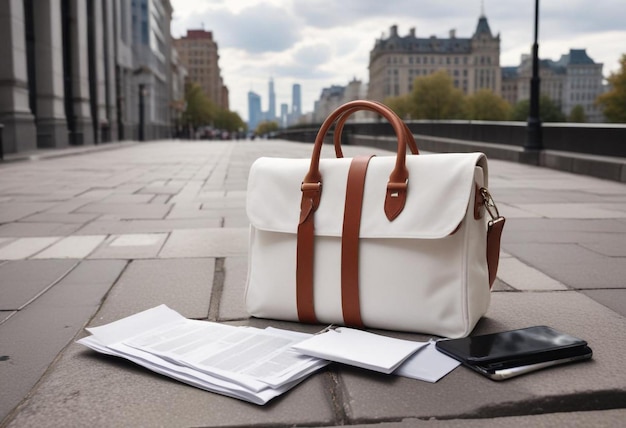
x=206 y=243
x=72 y=247
x=614 y=299
x=126 y=198
x=599 y=419
x=130 y=246
x=5 y=315
x=34 y=336
x=236 y=220
x=144 y=226
x=54 y=217
x=22 y=248
x=183 y=284
x=18 y=229
x=571 y=264
x=127 y=211
x=18 y=210
x=23 y=280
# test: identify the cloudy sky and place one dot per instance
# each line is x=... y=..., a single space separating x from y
x=319 y=43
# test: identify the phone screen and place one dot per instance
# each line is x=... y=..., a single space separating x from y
x=509 y=344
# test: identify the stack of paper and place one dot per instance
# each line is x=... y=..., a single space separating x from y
x=254 y=364
x=243 y=362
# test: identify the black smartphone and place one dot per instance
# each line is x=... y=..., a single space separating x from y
x=512 y=353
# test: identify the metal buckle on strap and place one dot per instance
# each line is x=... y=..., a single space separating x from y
x=490 y=205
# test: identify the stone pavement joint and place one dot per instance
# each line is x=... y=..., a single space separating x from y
x=86 y=240
x=216 y=290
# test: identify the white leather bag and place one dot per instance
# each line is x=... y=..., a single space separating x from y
x=397 y=242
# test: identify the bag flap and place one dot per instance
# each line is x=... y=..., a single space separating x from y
x=438 y=195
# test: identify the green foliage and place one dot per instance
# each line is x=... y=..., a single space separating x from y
x=577 y=114
x=266 y=127
x=548 y=110
x=485 y=105
x=613 y=103
x=400 y=105
x=435 y=97
x=229 y=121
x=200 y=110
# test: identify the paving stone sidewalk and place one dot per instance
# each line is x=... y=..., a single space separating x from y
x=94 y=237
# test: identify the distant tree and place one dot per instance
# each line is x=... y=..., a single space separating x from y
x=200 y=110
x=577 y=114
x=266 y=127
x=435 y=97
x=613 y=103
x=485 y=105
x=229 y=121
x=548 y=110
x=401 y=105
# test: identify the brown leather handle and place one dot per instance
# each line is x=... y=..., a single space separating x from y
x=410 y=141
x=399 y=177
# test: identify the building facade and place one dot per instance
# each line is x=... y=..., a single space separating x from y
x=71 y=71
x=574 y=80
x=198 y=52
x=152 y=72
x=472 y=63
x=336 y=95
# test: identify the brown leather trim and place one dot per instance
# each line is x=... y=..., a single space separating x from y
x=399 y=174
x=350 y=242
x=304 y=271
x=494 y=233
x=305 y=247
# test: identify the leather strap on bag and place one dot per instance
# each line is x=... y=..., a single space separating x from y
x=494 y=233
x=355 y=188
x=311 y=195
x=410 y=141
x=305 y=247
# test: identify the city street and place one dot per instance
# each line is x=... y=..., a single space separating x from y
x=90 y=237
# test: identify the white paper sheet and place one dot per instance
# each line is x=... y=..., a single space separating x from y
x=427 y=364
x=359 y=348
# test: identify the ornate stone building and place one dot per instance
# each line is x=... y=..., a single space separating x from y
x=575 y=79
x=472 y=63
x=198 y=52
x=71 y=71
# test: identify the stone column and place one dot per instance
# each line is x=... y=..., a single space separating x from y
x=19 y=124
x=103 y=125
x=109 y=67
x=83 y=134
x=51 y=124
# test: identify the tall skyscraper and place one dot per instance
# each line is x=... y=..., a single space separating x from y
x=255 y=115
x=296 y=100
x=284 y=115
x=271 y=111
